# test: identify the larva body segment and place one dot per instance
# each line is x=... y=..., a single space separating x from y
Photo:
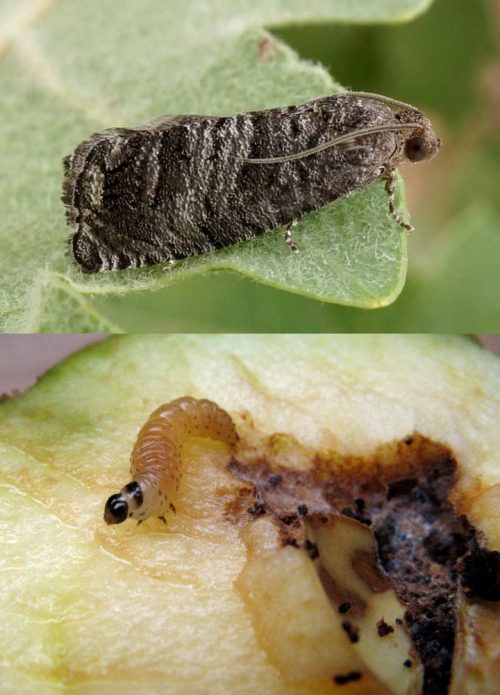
x=156 y=459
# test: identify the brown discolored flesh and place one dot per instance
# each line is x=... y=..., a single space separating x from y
x=402 y=496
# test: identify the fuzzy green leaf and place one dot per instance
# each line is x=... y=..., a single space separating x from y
x=70 y=68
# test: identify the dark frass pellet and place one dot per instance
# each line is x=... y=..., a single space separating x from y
x=351 y=631
x=311 y=549
x=343 y=679
x=258 y=509
x=181 y=186
x=383 y=629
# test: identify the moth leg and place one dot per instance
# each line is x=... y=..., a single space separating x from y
x=163 y=519
x=173 y=508
x=288 y=236
x=390 y=189
x=170 y=264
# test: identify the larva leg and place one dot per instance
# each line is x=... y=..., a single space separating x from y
x=390 y=189
x=288 y=236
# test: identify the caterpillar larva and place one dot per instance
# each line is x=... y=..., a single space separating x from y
x=156 y=460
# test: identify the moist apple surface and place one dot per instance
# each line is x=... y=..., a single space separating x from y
x=424 y=546
x=88 y=608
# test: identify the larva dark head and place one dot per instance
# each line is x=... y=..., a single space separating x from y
x=422 y=143
x=116 y=510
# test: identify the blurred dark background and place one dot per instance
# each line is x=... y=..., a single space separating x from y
x=446 y=62
x=24 y=358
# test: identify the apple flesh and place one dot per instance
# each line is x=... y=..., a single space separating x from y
x=348 y=553
x=94 y=609
x=293 y=618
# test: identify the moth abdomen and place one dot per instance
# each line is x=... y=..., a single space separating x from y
x=156 y=460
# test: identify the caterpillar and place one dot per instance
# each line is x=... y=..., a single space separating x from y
x=156 y=459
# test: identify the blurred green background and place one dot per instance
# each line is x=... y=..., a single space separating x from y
x=446 y=62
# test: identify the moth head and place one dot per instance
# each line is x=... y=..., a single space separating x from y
x=128 y=503
x=421 y=143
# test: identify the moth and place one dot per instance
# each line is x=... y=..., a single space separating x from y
x=181 y=186
x=156 y=460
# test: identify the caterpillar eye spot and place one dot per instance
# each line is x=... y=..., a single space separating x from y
x=134 y=489
x=116 y=510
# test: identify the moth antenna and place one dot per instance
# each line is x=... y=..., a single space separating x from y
x=395 y=103
x=346 y=137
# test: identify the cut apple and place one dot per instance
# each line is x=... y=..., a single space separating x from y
x=476 y=662
x=373 y=614
x=91 y=609
x=293 y=618
x=305 y=633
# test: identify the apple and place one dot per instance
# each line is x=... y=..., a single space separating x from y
x=222 y=600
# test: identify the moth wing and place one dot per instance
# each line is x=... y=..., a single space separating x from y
x=168 y=122
x=165 y=122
